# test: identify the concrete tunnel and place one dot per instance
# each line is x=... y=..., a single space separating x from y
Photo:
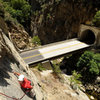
x=89 y=35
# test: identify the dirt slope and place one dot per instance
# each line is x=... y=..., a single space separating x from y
x=57 y=90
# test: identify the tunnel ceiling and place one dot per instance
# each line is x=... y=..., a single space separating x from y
x=88 y=36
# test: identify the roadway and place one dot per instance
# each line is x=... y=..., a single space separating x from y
x=52 y=50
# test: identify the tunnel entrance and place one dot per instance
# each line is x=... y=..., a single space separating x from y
x=88 y=37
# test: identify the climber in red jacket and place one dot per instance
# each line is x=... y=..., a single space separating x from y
x=25 y=85
x=24 y=82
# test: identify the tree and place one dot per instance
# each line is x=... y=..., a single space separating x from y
x=19 y=9
x=89 y=64
x=85 y=59
x=36 y=40
x=96 y=20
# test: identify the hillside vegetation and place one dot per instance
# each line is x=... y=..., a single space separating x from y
x=41 y=17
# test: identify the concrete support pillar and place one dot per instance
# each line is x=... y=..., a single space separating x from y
x=47 y=64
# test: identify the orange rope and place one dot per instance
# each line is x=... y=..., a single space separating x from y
x=12 y=97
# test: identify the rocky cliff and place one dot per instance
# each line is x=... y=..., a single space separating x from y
x=60 y=19
x=11 y=61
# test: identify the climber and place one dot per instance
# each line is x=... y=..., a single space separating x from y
x=24 y=82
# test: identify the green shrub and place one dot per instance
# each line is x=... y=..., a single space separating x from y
x=74 y=79
x=36 y=40
x=8 y=18
x=22 y=10
x=18 y=4
x=93 y=67
x=85 y=59
x=56 y=69
x=89 y=63
x=19 y=9
x=48 y=16
x=96 y=20
x=40 y=67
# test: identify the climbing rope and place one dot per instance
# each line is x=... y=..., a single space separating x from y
x=12 y=97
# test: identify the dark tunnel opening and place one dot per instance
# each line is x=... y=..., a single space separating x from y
x=88 y=37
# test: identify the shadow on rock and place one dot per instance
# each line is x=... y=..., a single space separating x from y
x=30 y=94
x=4 y=69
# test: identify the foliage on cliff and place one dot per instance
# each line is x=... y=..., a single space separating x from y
x=18 y=9
x=36 y=40
x=11 y=26
x=96 y=20
x=89 y=63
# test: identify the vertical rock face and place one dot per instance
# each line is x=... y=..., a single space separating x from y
x=11 y=61
x=17 y=35
x=3 y=48
x=61 y=21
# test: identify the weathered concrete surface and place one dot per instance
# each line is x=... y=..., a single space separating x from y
x=84 y=31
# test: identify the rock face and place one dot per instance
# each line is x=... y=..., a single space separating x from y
x=15 y=32
x=61 y=21
x=18 y=36
x=11 y=61
x=56 y=89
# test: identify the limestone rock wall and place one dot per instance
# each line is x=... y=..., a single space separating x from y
x=61 y=21
x=11 y=61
